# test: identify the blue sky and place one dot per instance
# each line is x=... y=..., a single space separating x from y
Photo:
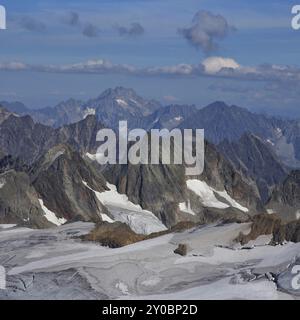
x=41 y=33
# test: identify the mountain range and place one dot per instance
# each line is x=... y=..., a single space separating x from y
x=48 y=160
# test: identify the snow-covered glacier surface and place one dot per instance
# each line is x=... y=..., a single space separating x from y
x=121 y=209
x=56 y=264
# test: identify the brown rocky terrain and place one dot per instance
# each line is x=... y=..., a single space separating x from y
x=272 y=224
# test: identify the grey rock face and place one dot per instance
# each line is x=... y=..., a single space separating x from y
x=285 y=199
x=254 y=158
x=4 y=114
x=168 y=117
x=160 y=189
x=22 y=138
x=220 y=174
x=19 y=201
x=80 y=135
x=59 y=177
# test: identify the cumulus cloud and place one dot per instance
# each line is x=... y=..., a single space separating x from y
x=217 y=67
x=31 y=24
x=135 y=29
x=213 y=65
x=206 y=30
x=90 y=30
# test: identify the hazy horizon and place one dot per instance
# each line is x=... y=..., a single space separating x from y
x=76 y=49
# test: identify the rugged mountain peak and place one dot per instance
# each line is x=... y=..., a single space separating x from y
x=53 y=154
x=16 y=106
x=4 y=114
x=219 y=108
x=285 y=200
x=114 y=105
x=254 y=158
x=118 y=92
x=69 y=102
x=221 y=122
x=60 y=177
x=81 y=135
x=217 y=105
x=23 y=209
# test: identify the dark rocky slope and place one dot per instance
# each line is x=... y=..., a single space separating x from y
x=254 y=158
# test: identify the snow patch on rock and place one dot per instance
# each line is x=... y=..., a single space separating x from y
x=186 y=207
x=106 y=218
x=91 y=156
x=2 y=183
x=51 y=216
x=139 y=220
x=208 y=198
x=231 y=201
x=206 y=194
x=122 y=102
x=178 y=118
x=88 y=112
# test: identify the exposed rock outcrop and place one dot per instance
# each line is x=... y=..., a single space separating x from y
x=285 y=199
x=113 y=235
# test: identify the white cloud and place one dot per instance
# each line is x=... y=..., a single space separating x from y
x=218 y=67
x=13 y=66
x=213 y=65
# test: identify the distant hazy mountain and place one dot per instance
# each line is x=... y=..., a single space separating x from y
x=110 y=107
x=168 y=117
x=255 y=158
x=64 y=113
x=223 y=122
x=16 y=107
x=114 y=105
